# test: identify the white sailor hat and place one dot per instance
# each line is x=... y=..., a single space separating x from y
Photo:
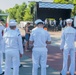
x=69 y=21
x=12 y=22
x=38 y=21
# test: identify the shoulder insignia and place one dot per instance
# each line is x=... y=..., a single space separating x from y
x=18 y=34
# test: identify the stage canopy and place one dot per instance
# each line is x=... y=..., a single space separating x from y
x=54 y=5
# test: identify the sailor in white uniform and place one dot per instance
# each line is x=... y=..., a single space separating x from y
x=39 y=38
x=1 y=45
x=13 y=48
x=20 y=65
x=67 y=46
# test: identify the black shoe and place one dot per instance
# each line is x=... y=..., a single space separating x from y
x=20 y=65
x=60 y=74
x=11 y=68
x=2 y=73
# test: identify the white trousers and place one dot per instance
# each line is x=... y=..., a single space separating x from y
x=66 y=52
x=1 y=55
x=12 y=64
x=39 y=55
x=12 y=56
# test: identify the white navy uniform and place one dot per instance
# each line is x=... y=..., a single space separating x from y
x=20 y=34
x=67 y=44
x=13 y=48
x=1 y=47
x=39 y=54
x=6 y=29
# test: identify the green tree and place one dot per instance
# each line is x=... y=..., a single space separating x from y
x=20 y=12
x=63 y=1
x=28 y=15
x=2 y=12
x=12 y=11
x=58 y=1
x=74 y=1
x=17 y=12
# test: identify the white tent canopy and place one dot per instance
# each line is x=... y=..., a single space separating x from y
x=54 y=5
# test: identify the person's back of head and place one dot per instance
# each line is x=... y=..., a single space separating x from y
x=12 y=24
x=39 y=23
x=69 y=22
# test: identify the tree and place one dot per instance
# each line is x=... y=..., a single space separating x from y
x=2 y=12
x=12 y=11
x=20 y=12
x=74 y=1
x=28 y=15
x=17 y=12
x=57 y=1
x=74 y=10
x=63 y=1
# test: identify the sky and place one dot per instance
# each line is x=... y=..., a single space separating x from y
x=6 y=4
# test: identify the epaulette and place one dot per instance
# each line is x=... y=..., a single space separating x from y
x=18 y=34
